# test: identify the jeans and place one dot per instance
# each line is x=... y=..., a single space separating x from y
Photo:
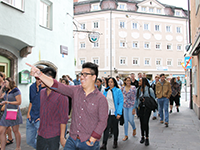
x=128 y=117
x=31 y=132
x=48 y=144
x=72 y=144
x=164 y=103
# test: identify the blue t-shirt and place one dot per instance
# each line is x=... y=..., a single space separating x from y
x=77 y=82
x=35 y=100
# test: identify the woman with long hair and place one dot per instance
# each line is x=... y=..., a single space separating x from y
x=115 y=101
x=143 y=91
x=175 y=94
x=129 y=93
x=12 y=99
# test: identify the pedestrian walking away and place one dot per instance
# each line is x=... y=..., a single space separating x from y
x=90 y=108
x=145 y=113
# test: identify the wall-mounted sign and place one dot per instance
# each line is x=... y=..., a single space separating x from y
x=24 y=77
x=188 y=62
x=64 y=50
x=93 y=37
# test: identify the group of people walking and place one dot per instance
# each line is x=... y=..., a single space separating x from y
x=96 y=106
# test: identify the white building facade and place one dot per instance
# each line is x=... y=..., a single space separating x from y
x=135 y=36
x=36 y=32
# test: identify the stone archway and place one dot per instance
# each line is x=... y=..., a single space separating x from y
x=46 y=63
x=13 y=63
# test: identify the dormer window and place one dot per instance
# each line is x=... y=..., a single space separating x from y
x=143 y=9
x=177 y=13
x=95 y=7
x=121 y=6
x=151 y=10
x=158 y=10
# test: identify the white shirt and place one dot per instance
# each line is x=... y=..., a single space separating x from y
x=110 y=100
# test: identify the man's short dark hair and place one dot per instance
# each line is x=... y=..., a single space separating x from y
x=162 y=74
x=93 y=67
x=117 y=76
x=49 y=72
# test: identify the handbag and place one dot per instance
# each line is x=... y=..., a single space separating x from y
x=11 y=114
x=150 y=102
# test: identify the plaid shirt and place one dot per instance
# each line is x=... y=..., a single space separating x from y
x=53 y=112
x=89 y=113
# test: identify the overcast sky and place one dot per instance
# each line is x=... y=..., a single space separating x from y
x=177 y=3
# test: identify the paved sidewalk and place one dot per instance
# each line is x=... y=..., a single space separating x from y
x=183 y=133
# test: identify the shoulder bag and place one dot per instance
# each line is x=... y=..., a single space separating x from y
x=150 y=102
x=11 y=114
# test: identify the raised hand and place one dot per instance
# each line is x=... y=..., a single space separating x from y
x=34 y=71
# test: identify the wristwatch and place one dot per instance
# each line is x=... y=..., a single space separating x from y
x=91 y=143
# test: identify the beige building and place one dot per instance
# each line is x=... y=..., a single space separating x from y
x=135 y=36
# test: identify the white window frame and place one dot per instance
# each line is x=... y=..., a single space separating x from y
x=143 y=9
x=81 y=45
x=46 y=19
x=124 y=58
x=149 y=61
x=180 y=29
x=96 y=58
x=169 y=59
x=151 y=8
x=170 y=46
x=159 y=46
x=123 y=42
x=93 y=7
x=158 y=11
x=179 y=60
x=176 y=13
x=138 y=61
x=83 y=26
x=134 y=25
x=95 y=45
x=80 y=59
x=159 y=28
x=147 y=45
x=148 y=26
x=181 y=47
x=94 y=23
x=124 y=26
x=168 y=29
x=158 y=59
x=135 y=42
x=15 y=3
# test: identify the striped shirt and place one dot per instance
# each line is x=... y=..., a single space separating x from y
x=53 y=112
x=90 y=113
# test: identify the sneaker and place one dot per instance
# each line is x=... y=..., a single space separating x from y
x=166 y=124
x=142 y=140
x=170 y=111
x=154 y=118
x=177 y=109
x=146 y=142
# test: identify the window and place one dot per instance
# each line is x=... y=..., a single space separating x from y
x=178 y=13
x=158 y=10
x=96 y=61
x=45 y=14
x=143 y=9
x=146 y=45
x=158 y=62
x=96 y=45
x=179 y=62
x=96 y=25
x=179 y=47
x=15 y=3
x=83 y=26
x=178 y=29
x=82 y=45
x=122 y=44
x=168 y=28
x=169 y=62
x=135 y=44
x=158 y=47
x=151 y=10
x=157 y=27
x=121 y=6
x=146 y=26
x=135 y=61
x=147 y=61
x=122 y=24
x=95 y=7
x=82 y=61
x=122 y=61
x=134 y=25
x=169 y=47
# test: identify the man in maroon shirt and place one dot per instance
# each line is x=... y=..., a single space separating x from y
x=90 y=108
x=53 y=116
